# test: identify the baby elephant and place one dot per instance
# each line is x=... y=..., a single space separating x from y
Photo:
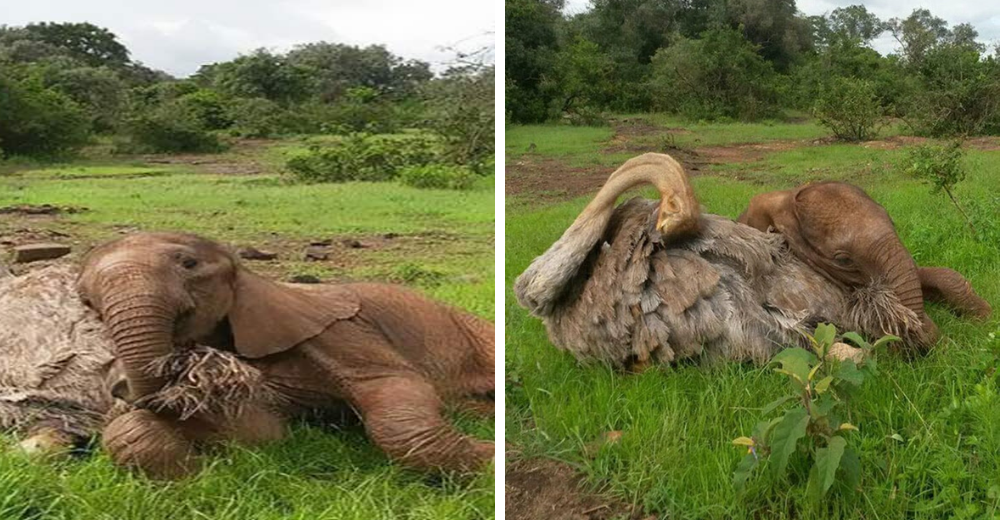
x=392 y=355
x=845 y=235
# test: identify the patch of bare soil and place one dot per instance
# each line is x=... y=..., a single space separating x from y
x=543 y=488
x=550 y=180
x=901 y=141
x=242 y=159
x=347 y=253
x=39 y=210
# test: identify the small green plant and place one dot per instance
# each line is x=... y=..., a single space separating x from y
x=942 y=167
x=815 y=422
x=438 y=176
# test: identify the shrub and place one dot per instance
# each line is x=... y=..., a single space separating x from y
x=850 y=108
x=815 y=422
x=942 y=167
x=718 y=76
x=166 y=129
x=209 y=108
x=462 y=114
x=37 y=121
x=364 y=157
x=438 y=176
x=257 y=117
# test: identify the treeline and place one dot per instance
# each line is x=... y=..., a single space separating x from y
x=63 y=84
x=747 y=60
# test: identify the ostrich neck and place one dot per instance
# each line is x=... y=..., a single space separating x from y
x=544 y=281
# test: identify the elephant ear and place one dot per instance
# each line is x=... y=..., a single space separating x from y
x=268 y=317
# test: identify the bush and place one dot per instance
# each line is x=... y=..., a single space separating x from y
x=958 y=94
x=37 y=121
x=438 y=176
x=209 y=108
x=718 y=76
x=463 y=115
x=257 y=117
x=169 y=128
x=850 y=108
x=364 y=157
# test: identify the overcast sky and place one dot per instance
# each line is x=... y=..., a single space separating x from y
x=984 y=15
x=178 y=36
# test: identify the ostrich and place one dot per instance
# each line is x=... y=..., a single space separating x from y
x=657 y=281
x=58 y=374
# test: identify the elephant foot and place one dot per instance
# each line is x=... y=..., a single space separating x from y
x=48 y=441
x=152 y=445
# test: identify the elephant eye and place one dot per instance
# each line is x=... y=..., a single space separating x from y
x=189 y=263
x=842 y=259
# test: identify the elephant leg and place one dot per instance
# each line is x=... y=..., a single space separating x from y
x=941 y=284
x=403 y=416
x=153 y=445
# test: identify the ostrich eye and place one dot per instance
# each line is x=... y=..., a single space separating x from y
x=189 y=263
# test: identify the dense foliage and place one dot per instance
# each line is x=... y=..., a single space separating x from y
x=748 y=60
x=64 y=84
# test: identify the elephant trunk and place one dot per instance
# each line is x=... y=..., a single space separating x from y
x=141 y=321
x=902 y=277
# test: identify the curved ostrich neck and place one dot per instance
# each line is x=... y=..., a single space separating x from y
x=544 y=280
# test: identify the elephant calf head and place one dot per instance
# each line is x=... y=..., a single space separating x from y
x=157 y=292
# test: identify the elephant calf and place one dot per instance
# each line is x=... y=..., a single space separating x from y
x=392 y=355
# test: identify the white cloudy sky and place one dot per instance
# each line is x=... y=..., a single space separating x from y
x=180 y=35
x=984 y=15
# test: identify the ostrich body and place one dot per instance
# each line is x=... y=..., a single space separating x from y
x=54 y=356
x=657 y=281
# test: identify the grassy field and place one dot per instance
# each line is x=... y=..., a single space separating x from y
x=441 y=242
x=929 y=436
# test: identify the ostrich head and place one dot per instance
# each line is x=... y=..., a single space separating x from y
x=677 y=215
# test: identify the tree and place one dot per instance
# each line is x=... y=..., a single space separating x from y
x=917 y=34
x=855 y=22
x=94 y=45
x=338 y=68
x=35 y=120
x=781 y=36
x=720 y=75
x=531 y=42
x=260 y=74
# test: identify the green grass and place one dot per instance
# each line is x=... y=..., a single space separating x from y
x=444 y=247
x=575 y=144
x=675 y=458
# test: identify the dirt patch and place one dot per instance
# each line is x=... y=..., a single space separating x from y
x=543 y=488
x=244 y=158
x=549 y=180
x=39 y=209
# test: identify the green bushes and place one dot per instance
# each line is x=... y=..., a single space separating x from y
x=438 y=176
x=364 y=157
x=35 y=120
x=720 y=75
x=171 y=127
x=850 y=108
x=256 y=117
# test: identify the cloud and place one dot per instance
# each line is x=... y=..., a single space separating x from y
x=181 y=35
